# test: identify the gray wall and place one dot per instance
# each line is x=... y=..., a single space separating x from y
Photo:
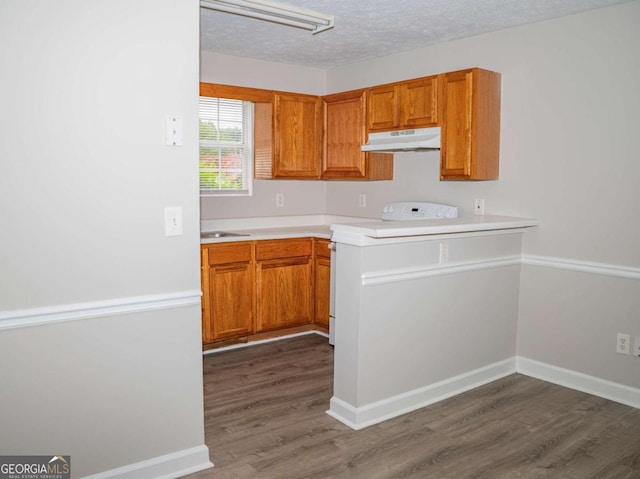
x=84 y=180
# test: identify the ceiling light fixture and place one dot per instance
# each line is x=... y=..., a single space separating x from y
x=273 y=12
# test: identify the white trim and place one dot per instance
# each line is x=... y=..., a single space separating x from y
x=356 y=238
x=579 y=381
x=262 y=341
x=169 y=466
x=404 y=274
x=582 y=266
x=72 y=312
x=364 y=416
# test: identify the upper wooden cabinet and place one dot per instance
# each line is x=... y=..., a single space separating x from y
x=287 y=130
x=300 y=136
x=288 y=137
x=383 y=111
x=345 y=131
x=408 y=104
x=470 y=144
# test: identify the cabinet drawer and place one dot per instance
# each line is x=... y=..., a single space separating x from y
x=286 y=248
x=224 y=253
x=322 y=249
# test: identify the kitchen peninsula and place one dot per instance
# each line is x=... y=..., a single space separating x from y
x=424 y=310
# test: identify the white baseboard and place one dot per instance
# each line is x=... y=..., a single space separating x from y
x=361 y=417
x=262 y=341
x=170 y=466
x=579 y=381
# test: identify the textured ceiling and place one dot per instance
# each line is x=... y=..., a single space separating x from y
x=374 y=28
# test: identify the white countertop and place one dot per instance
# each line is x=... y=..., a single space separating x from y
x=315 y=231
x=275 y=227
x=369 y=233
x=354 y=230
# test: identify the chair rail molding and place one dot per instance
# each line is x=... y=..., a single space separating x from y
x=21 y=318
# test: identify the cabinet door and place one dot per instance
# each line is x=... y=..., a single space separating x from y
x=231 y=290
x=322 y=287
x=322 y=281
x=205 y=304
x=419 y=103
x=228 y=287
x=297 y=133
x=455 y=150
x=285 y=289
x=345 y=132
x=470 y=145
x=382 y=108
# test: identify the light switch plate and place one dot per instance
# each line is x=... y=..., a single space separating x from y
x=173 y=133
x=173 y=221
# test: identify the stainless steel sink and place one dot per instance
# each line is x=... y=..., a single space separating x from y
x=220 y=234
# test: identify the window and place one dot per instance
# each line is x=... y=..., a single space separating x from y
x=226 y=146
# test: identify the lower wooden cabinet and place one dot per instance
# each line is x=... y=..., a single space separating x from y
x=284 y=278
x=252 y=287
x=285 y=294
x=322 y=282
x=228 y=284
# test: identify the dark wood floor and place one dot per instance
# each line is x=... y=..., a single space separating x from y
x=265 y=418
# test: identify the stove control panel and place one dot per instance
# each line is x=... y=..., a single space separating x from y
x=417 y=210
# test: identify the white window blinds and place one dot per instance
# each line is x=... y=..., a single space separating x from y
x=226 y=146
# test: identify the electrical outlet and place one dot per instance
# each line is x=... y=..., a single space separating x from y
x=636 y=347
x=622 y=343
x=279 y=200
x=478 y=207
x=362 y=200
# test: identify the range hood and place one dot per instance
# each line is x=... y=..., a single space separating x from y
x=404 y=140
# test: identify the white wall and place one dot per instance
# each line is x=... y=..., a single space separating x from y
x=300 y=197
x=252 y=73
x=84 y=180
